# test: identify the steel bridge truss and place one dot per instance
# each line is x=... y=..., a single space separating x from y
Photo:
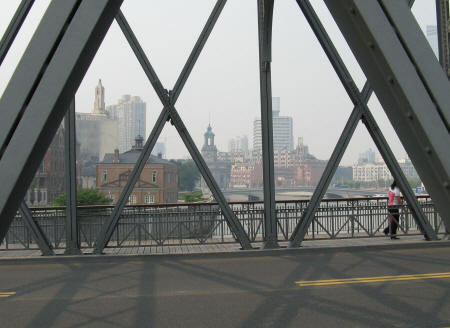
x=383 y=35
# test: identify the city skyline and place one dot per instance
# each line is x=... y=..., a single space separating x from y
x=225 y=81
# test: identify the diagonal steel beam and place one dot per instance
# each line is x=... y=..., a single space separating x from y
x=443 y=30
x=35 y=230
x=379 y=34
x=195 y=53
x=141 y=57
x=308 y=215
x=265 y=16
x=360 y=102
x=230 y=217
x=33 y=63
x=169 y=112
x=14 y=27
x=38 y=106
x=337 y=154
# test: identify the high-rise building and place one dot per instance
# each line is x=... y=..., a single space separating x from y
x=283 y=138
x=238 y=144
x=369 y=156
x=97 y=132
x=130 y=112
x=432 y=37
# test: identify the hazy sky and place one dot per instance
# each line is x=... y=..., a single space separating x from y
x=224 y=84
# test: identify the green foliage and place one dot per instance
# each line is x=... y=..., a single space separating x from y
x=193 y=197
x=84 y=197
x=188 y=174
x=414 y=182
x=351 y=184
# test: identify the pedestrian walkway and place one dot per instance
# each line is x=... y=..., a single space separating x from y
x=332 y=244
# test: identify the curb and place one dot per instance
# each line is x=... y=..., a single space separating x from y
x=232 y=253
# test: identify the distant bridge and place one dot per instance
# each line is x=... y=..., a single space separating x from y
x=330 y=193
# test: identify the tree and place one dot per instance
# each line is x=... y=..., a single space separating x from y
x=414 y=182
x=84 y=197
x=188 y=174
x=194 y=197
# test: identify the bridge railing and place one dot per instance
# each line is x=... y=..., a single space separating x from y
x=203 y=223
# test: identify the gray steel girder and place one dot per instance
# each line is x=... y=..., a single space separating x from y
x=265 y=15
x=41 y=89
x=360 y=111
x=35 y=230
x=14 y=27
x=443 y=29
x=33 y=63
x=414 y=94
x=72 y=240
x=169 y=112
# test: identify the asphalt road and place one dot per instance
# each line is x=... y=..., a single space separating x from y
x=231 y=290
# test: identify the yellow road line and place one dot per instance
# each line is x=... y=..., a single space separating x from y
x=6 y=294
x=372 y=279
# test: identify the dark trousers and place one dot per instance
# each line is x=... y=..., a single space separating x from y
x=393 y=221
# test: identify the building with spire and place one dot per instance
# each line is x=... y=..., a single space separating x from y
x=99 y=103
x=97 y=132
x=209 y=149
x=220 y=169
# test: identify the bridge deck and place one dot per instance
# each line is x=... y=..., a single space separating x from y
x=232 y=247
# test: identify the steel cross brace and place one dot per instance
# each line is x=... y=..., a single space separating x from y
x=42 y=88
x=14 y=27
x=412 y=88
x=35 y=230
x=168 y=99
x=265 y=15
x=360 y=111
x=5 y=44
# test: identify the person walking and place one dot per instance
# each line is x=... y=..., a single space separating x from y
x=394 y=202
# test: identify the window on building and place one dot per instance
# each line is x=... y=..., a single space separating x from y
x=132 y=199
x=111 y=196
x=153 y=176
x=149 y=199
x=104 y=175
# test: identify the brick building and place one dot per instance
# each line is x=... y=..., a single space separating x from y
x=241 y=175
x=49 y=180
x=158 y=182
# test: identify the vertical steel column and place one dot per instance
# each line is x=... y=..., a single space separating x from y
x=265 y=15
x=72 y=240
x=42 y=88
x=360 y=101
x=35 y=230
x=414 y=92
x=14 y=27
